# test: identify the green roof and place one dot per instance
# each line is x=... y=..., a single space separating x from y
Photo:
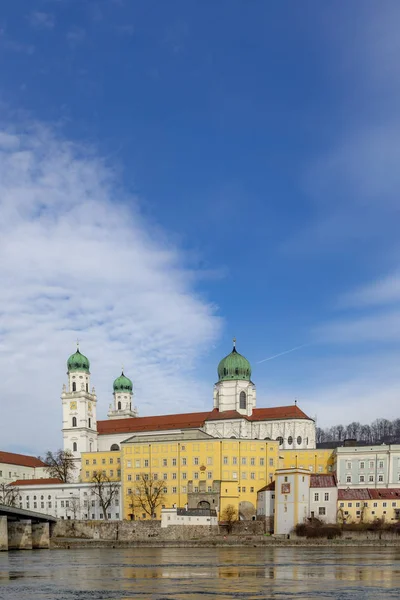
x=78 y=362
x=234 y=366
x=123 y=384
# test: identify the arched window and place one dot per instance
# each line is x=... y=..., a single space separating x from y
x=73 y=421
x=87 y=387
x=119 y=405
x=90 y=422
x=114 y=448
x=242 y=400
x=73 y=386
x=290 y=440
x=280 y=440
x=74 y=447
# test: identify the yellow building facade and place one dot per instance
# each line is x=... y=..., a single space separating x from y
x=109 y=462
x=188 y=463
x=367 y=505
x=316 y=461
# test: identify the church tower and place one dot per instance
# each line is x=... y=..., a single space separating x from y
x=234 y=389
x=123 y=396
x=79 y=409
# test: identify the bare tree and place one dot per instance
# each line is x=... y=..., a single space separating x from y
x=74 y=507
x=8 y=494
x=148 y=495
x=60 y=464
x=105 y=489
x=229 y=517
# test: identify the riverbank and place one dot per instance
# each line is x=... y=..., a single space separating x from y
x=234 y=541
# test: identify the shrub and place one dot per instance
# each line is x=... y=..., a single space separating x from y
x=315 y=528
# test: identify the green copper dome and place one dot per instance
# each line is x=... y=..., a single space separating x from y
x=123 y=384
x=234 y=366
x=78 y=362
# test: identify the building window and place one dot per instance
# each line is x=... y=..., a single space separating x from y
x=380 y=478
x=146 y=462
x=196 y=460
x=173 y=462
x=253 y=462
x=195 y=475
x=349 y=505
x=89 y=422
x=290 y=440
x=381 y=464
x=362 y=465
x=262 y=462
x=348 y=465
x=73 y=421
x=165 y=476
x=209 y=475
x=242 y=400
x=348 y=478
x=322 y=510
x=74 y=447
x=244 y=460
x=234 y=460
x=316 y=497
x=326 y=496
x=299 y=440
x=280 y=440
x=119 y=405
x=225 y=461
x=129 y=477
x=252 y=475
x=371 y=464
x=184 y=462
x=362 y=478
x=103 y=461
x=357 y=505
x=234 y=475
x=375 y=505
x=184 y=475
x=165 y=462
x=371 y=478
x=114 y=447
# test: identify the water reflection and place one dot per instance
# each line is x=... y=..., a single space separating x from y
x=188 y=573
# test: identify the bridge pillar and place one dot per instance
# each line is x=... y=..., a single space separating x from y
x=40 y=535
x=20 y=535
x=3 y=534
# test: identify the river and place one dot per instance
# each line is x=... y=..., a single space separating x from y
x=205 y=573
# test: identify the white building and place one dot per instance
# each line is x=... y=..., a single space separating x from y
x=297 y=495
x=19 y=466
x=65 y=500
x=187 y=517
x=368 y=466
x=323 y=497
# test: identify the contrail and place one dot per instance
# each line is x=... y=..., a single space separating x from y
x=282 y=353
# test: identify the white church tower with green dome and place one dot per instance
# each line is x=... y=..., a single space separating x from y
x=234 y=390
x=79 y=409
x=123 y=396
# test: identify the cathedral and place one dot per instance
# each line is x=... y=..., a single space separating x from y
x=233 y=414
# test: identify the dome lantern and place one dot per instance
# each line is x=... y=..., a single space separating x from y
x=123 y=384
x=78 y=362
x=234 y=366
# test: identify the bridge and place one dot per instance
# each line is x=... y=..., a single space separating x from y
x=24 y=529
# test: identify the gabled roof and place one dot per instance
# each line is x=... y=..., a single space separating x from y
x=360 y=494
x=22 y=460
x=194 y=420
x=268 y=488
x=321 y=480
x=385 y=494
x=25 y=482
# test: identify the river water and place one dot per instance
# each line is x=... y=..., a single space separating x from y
x=205 y=573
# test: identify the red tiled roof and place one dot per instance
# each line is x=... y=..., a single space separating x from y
x=360 y=494
x=20 y=459
x=157 y=423
x=48 y=481
x=321 y=480
x=268 y=488
x=385 y=494
x=194 y=420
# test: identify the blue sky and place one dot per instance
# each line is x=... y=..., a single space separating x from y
x=177 y=173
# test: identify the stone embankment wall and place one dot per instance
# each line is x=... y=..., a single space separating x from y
x=147 y=530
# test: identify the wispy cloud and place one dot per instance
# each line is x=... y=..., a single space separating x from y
x=13 y=45
x=41 y=20
x=77 y=259
x=75 y=36
x=381 y=292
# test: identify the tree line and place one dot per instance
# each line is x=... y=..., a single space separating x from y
x=380 y=431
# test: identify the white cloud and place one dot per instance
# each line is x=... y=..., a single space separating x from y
x=78 y=260
x=378 y=293
x=41 y=20
x=75 y=36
